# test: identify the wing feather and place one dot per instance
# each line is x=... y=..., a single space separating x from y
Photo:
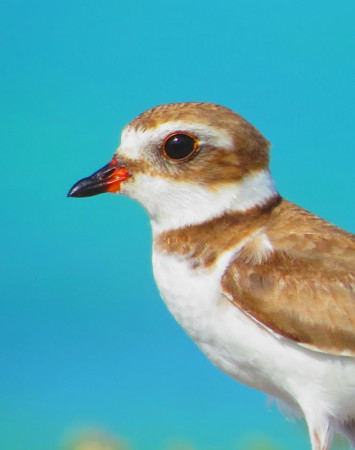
x=304 y=287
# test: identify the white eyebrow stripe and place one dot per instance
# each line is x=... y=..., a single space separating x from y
x=134 y=140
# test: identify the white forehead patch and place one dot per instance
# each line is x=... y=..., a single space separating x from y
x=134 y=141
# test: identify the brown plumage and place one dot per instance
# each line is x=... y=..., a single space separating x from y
x=252 y=278
x=210 y=166
x=304 y=289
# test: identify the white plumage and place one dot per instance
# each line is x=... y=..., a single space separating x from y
x=264 y=288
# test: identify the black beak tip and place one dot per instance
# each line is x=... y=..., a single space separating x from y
x=73 y=192
x=87 y=187
x=80 y=189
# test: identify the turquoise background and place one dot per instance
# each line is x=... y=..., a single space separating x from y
x=85 y=341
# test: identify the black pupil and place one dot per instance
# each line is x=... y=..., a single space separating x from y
x=179 y=146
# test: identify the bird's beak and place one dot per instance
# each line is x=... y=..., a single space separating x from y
x=107 y=179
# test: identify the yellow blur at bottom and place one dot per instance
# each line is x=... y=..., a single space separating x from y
x=95 y=440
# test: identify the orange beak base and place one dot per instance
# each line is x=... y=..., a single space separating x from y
x=107 y=179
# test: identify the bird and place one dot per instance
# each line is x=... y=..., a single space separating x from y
x=264 y=287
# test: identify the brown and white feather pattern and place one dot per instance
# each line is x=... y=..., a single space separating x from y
x=294 y=274
x=257 y=282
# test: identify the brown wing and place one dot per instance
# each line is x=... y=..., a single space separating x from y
x=302 y=289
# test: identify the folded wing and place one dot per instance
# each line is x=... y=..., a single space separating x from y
x=298 y=281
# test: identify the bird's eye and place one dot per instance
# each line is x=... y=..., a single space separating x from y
x=179 y=146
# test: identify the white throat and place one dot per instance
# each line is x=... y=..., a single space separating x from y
x=173 y=204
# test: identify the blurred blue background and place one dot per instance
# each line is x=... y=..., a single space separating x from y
x=85 y=341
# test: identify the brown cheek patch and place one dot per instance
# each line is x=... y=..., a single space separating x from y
x=212 y=170
x=210 y=167
x=214 y=167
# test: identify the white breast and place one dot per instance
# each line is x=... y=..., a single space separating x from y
x=230 y=339
x=241 y=347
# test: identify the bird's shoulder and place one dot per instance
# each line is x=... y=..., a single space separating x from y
x=296 y=277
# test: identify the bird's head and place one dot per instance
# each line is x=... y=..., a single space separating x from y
x=185 y=163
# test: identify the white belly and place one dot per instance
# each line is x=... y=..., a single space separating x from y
x=243 y=348
x=231 y=340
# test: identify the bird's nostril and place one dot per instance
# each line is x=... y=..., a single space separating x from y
x=107 y=173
